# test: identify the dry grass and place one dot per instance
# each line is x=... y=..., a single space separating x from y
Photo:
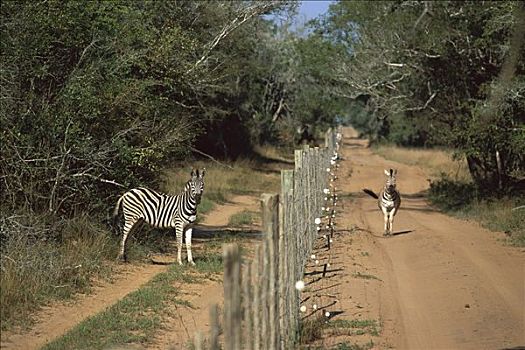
x=275 y=153
x=40 y=266
x=221 y=182
x=435 y=162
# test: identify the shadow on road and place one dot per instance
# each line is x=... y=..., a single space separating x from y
x=219 y=232
x=398 y=233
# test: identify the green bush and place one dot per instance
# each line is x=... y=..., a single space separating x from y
x=452 y=195
x=493 y=211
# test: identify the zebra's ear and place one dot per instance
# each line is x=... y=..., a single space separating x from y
x=387 y=173
x=203 y=171
x=395 y=172
x=192 y=172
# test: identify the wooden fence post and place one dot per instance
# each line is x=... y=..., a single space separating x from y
x=265 y=297
x=268 y=314
x=214 y=327
x=232 y=297
x=256 y=305
x=248 y=307
x=284 y=256
x=270 y=204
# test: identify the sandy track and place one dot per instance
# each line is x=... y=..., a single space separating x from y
x=443 y=283
x=54 y=321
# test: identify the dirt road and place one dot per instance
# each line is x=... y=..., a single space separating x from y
x=440 y=282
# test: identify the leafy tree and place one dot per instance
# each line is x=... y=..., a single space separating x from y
x=428 y=69
x=98 y=96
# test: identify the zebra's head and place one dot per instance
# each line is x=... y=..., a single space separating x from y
x=197 y=184
x=390 y=184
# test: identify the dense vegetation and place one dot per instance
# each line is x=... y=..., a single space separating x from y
x=99 y=96
x=446 y=73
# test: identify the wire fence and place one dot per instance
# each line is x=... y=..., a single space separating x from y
x=267 y=298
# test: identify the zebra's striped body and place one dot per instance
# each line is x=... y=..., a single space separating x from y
x=388 y=200
x=163 y=211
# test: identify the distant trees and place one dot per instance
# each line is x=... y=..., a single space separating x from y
x=429 y=73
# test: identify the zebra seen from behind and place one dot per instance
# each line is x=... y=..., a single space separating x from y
x=388 y=200
x=162 y=211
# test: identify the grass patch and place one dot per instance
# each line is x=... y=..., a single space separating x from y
x=134 y=319
x=210 y=264
x=365 y=276
x=346 y=346
x=356 y=327
x=40 y=263
x=317 y=328
x=245 y=217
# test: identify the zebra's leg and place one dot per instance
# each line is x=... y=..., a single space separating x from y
x=391 y=222
x=387 y=227
x=178 y=233
x=128 y=226
x=385 y=218
x=188 y=245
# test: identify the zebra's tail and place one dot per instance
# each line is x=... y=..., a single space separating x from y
x=370 y=193
x=117 y=207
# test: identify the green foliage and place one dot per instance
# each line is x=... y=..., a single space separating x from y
x=405 y=131
x=290 y=87
x=436 y=73
x=108 y=93
x=94 y=105
x=245 y=217
x=449 y=194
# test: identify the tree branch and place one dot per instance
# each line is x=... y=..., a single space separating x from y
x=242 y=17
x=98 y=178
x=424 y=106
x=210 y=157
